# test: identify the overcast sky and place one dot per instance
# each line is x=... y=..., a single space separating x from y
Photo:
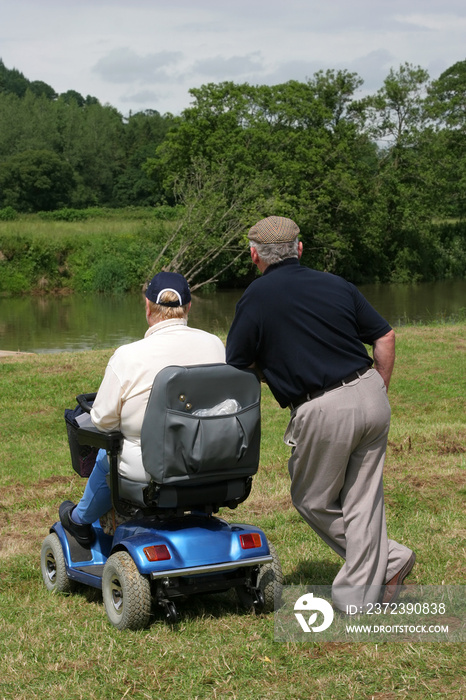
x=147 y=54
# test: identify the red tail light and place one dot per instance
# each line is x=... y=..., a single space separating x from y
x=157 y=552
x=251 y=540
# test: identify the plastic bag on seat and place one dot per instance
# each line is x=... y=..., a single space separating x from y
x=221 y=409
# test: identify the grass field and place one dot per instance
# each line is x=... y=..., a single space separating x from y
x=35 y=227
x=63 y=646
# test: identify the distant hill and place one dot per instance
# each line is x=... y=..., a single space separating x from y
x=12 y=81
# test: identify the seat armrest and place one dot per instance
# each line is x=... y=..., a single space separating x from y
x=96 y=438
x=111 y=443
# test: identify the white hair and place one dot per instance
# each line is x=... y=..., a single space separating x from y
x=273 y=253
x=163 y=313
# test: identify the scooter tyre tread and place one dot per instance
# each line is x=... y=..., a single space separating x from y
x=135 y=590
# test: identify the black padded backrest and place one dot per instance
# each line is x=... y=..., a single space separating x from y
x=179 y=447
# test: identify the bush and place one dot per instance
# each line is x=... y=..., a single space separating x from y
x=8 y=214
x=167 y=213
x=112 y=264
x=110 y=275
x=64 y=215
x=12 y=281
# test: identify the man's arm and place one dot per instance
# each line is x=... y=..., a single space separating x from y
x=106 y=410
x=242 y=340
x=384 y=356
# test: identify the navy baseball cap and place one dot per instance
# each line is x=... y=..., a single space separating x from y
x=169 y=282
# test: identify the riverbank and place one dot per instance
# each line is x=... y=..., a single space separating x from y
x=60 y=257
x=113 y=251
x=216 y=646
x=89 y=321
x=6 y=353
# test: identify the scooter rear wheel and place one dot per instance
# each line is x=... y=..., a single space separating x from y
x=270 y=584
x=126 y=593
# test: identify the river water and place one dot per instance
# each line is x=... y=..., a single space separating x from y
x=54 y=324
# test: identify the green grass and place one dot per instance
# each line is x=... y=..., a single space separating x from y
x=35 y=227
x=63 y=646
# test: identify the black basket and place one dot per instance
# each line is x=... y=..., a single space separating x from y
x=82 y=456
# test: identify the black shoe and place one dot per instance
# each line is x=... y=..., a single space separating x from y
x=84 y=534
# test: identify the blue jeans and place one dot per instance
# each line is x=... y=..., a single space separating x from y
x=96 y=499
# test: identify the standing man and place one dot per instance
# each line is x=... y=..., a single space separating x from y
x=304 y=331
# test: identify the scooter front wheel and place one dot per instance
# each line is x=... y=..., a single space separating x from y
x=52 y=565
x=126 y=593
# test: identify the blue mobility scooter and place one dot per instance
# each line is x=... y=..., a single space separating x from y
x=169 y=543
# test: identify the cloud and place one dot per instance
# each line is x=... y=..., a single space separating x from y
x=435 y=22
x=154 y=51
x=373 y=68
x=123 y=65
x=141 y=97
x=225 y=68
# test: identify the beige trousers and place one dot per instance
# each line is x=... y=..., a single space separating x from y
x=338 y=445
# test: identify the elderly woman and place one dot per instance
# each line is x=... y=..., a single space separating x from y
x=124 y=392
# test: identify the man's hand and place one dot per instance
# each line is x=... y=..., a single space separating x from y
x=384 y=356
x=257 y=370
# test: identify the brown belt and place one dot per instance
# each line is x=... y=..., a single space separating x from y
x=320 y=392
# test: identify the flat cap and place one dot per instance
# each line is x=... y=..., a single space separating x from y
x=273 y=229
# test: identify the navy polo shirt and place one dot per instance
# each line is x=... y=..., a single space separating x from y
x=304 y=329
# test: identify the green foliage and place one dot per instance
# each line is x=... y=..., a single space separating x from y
x=35 y=180
x=110 y=275
x=83 y=259
x=293 y=148
x=104 y=151
x=162 y=213
x=13 y=281
x=13 y=81
x=364 y=179
x=114 y=251
x=65 y=215
x=166 y=213
x=447 y=96
x=206 y=244
x=449 y=250
x=308 y=151
x=8 y=214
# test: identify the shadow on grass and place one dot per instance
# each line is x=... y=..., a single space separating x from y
x=219 y=604
x=214 y=605
x=311 y=572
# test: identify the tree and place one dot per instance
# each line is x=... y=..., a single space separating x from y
x=35 y=181
x=400 y=219
x=396 y=113
x=28 y=124
x=12 y=81
x=73 y=96
x=446 y=104
x=296 y=144
x=208 y=239
x=90 y=139
x=39 y=88
x=447 y=97
x=142 y=134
